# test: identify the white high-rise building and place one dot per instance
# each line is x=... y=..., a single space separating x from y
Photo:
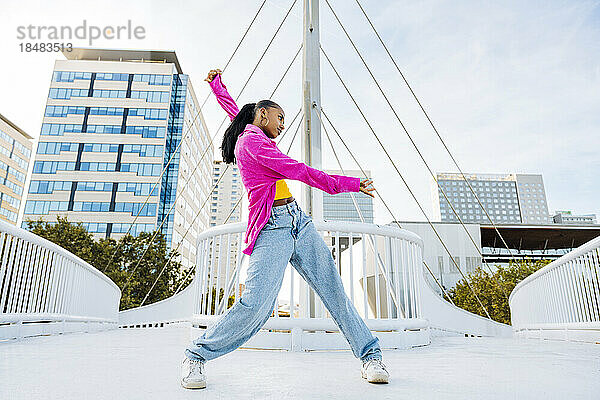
x=508 y=199
x=15 y=152
x=113 y=120
x=224 y=204
x=226 y=194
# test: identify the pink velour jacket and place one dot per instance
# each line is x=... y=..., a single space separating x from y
x=261 y=164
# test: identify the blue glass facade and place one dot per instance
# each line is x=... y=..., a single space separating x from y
x=174 y=135
x=74 y=151
x=90 y=127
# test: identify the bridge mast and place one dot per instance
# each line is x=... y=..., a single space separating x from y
x=311 y=92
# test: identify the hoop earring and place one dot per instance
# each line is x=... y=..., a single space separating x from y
x=262 y=117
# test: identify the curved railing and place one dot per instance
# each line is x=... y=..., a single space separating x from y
x=177 y=308
x=446 y=319
x=380 y=266
x=377 y=254
x=561 y=300
x=44 y=289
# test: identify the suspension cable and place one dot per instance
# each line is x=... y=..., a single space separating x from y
x=209 y=146
x=174 y=251
x=402 y=178
x=157 y=231
x=288 y=150
x=186 y=232
x=378 y=259
x=434 y=129
x=245 y=85
x=243 y=191
x=184 y=136
x=367 y=177
x=414 y=144
x=285 y=73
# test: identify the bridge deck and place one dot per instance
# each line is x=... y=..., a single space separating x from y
x=144 y=364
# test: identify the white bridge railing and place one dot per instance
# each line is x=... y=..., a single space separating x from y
x=380 y=266
x=44 y=289
x=561 y=300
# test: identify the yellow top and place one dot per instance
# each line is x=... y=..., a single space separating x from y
x=281 y=190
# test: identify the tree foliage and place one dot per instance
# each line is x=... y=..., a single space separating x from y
x=122 y=260
x=493 y=289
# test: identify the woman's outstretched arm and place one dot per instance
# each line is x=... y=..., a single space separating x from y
x=223 y=98
x=281 y=166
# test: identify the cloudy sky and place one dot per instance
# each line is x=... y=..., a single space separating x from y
x=512 y=86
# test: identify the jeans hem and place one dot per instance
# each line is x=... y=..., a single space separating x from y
x=193 y=357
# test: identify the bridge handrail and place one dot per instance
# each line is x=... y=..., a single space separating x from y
x=562 y=299
x=572 y=255
x=40 y=241
x=339 y=226
x=44 y=289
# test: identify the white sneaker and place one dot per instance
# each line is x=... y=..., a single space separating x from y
x=374 y=371
x=192 y=374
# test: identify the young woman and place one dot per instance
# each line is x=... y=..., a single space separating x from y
x=278 y=232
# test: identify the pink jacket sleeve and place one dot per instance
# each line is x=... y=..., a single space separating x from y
x=269 y=156
x=223 y=97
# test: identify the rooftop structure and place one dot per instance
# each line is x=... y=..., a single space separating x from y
x=568 y=218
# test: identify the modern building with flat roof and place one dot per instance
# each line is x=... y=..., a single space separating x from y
x=15 y=153
x=507 y=198
x=568 y=218
x=114 y=120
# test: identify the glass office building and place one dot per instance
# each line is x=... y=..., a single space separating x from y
x=114 y=120
x=15 y=152
x=508 y=199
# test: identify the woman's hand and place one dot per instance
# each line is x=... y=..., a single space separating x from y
x=212 y=73
x=365 y=187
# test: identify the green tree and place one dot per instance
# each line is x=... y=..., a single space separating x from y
x=70 y=236
x=493 y=289
x=122 y=260
x=136 y=275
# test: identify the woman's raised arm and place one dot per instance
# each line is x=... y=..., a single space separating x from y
x=223 y=98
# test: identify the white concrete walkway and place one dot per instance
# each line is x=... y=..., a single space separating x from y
x=144 y=364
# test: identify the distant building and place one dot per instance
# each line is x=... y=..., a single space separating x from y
x=568 y=218
x=113 y=120
x=340 y=207
x=226 y=195
x=508 y=199
x=15 y=152
x=224 y=204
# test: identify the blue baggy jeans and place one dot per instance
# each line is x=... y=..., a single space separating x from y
x=288 y=236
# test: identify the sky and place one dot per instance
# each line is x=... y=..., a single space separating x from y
x=512 y=86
